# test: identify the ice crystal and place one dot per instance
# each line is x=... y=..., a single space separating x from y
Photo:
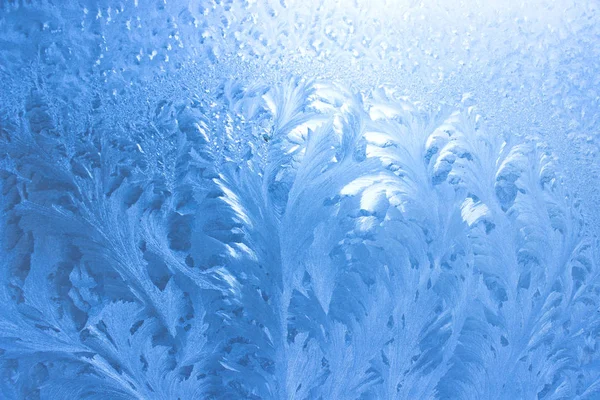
x=299 y=200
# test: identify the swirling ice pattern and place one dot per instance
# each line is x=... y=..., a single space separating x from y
x=172 y=231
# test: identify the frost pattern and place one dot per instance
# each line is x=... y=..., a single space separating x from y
x=356 y=247
x=297 y=239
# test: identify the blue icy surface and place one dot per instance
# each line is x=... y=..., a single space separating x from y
x=233 y=199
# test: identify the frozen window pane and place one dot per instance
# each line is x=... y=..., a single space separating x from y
x=252 y=199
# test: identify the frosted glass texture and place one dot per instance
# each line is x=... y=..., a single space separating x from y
x=351 y=199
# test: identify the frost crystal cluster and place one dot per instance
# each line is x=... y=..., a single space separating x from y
x=326 y=200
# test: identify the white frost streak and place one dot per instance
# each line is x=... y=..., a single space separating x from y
x=472 y=212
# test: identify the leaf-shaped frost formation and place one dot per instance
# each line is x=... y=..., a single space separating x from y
x=296 y=240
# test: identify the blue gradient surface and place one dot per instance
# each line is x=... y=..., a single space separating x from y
x=235 y=199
